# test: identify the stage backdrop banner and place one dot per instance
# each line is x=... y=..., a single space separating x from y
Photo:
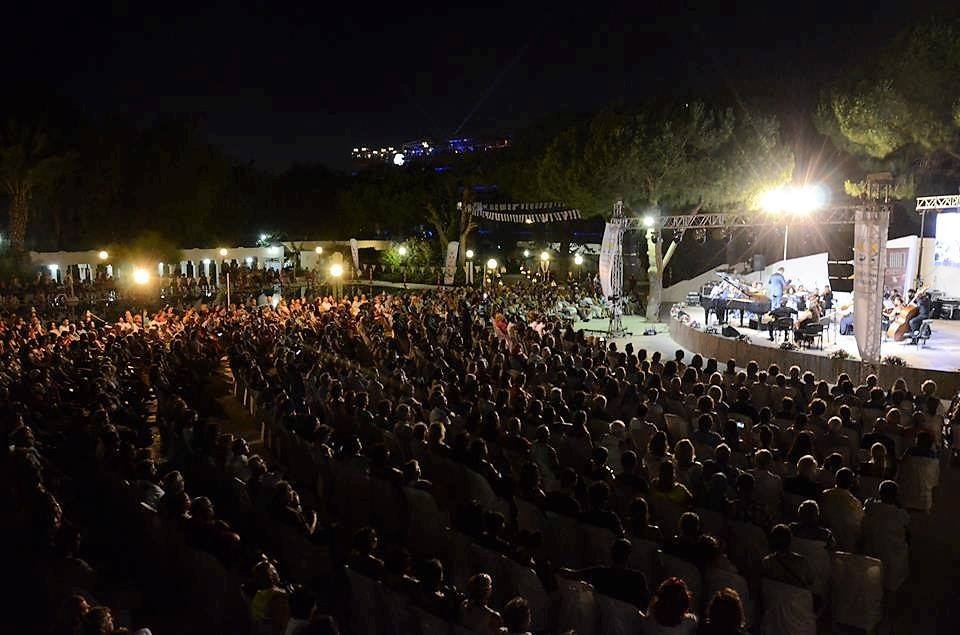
x=450 y=266
x=355 y=254
x=869 y=257
x=609 y=248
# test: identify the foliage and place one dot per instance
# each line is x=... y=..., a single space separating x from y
x=147 y=249
x=904 y=187
x=839 y=353
x=420 y=253
x=894 y=360
x=27 y=163
x=899 y=110
x=15 y=264
x=671 y=155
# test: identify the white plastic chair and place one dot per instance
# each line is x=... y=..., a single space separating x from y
x=562 y=540
x=868 y=487
x=918 y=477
x=747 y=546
x=712 y=522
x=820 y=561
x=595 y=544
x=431 y=624
x=645 y=557
x=529 y=516
x=677 y=427
x=856 y=597
x=578 y=607
x=364 y=602
x=523 y=581
x=616 y=617
x=787 y=609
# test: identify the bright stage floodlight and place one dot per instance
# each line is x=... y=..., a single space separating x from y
x=402 y=250
x=469 y=253
x=526 y=253
x=223 y=251
x=544 y=256
x=798 y=201
x=648 y=221
x=578 y=259
x=318 y=249
x=336 y=270
x=492 y=264
x=103 y=255
x=141 y=276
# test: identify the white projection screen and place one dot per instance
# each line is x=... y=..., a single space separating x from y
x=947 y=251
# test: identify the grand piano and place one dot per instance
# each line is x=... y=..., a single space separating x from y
x=745 y=301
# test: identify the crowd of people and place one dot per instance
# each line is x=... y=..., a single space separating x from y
x=434 y=457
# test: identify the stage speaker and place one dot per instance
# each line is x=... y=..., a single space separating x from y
x=759 y=262
x=729 y=331
x=633 y=271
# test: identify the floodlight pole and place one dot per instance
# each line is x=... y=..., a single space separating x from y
x=786 y=238
x=919 y=279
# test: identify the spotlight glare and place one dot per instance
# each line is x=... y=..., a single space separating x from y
x=402 y=250
x=141 y=276
x=492 y=264
x=336 y=270
x=648 y=221
x=578 y=259
x=103 y=255
x=469 y=253
x=526 y=253
x=544 y=256
x=318 y=249
x=223 y=251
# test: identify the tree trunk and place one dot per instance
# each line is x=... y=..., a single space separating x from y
x=654 y=275
x=19 y=214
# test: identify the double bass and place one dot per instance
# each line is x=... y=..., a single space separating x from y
x=900 y=324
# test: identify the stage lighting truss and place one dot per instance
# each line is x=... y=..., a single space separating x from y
x=927 y=203
x=833 y=215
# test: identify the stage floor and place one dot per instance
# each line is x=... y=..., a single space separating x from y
x=942 y=350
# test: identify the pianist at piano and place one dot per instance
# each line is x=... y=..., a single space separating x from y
x=730 y=295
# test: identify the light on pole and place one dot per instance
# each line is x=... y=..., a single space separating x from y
x=795 y=202
x=468 y=268
x=336 y=272
x=402 y=252
x=492 y=268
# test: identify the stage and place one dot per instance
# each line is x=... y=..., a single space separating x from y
x=941 y=351
x=938 y=360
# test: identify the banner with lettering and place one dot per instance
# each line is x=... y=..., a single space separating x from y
x=869 y=259
x=355 y=253
x=609 y=257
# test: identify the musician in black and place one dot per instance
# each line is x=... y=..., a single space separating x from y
x=719 y=295
x=924 y=309
x=782 y=311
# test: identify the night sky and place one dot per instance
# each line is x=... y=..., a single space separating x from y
x=275 y=83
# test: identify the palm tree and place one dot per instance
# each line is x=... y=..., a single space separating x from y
x=26 y=164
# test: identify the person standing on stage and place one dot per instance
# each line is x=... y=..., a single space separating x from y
x=719 y=296
x=776 y=283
